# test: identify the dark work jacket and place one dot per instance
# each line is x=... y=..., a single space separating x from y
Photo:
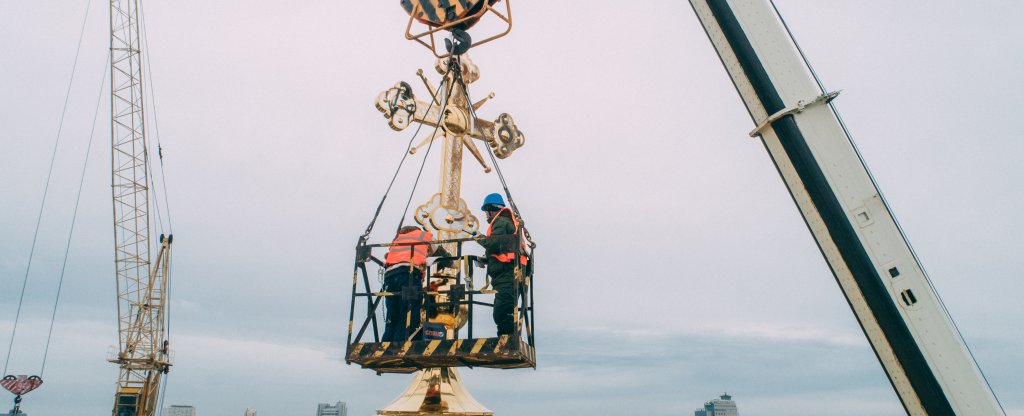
x=503 y=226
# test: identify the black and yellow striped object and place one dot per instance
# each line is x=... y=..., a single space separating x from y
x=406 y=357
x=441 y=12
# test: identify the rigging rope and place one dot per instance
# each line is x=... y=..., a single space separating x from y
x=497 y=168
x=145 y=143
x=433 y=136
x=163 y=391
x=148 y=66
x=849 y=137
x=373 y=221
x=74 y=217
x=167 y=311
x=46 y=188
x=152 y=185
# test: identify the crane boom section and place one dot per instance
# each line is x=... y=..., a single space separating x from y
x=142 y=350
x=909 y=329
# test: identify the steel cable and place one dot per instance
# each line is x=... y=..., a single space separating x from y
x=148 y=67
x=163 y=393
x=871 y=177
x=433 y=137
x=74 y=217
x=373 y=221
x=150 y=178
x=497 y=168
x=422 y=165
x=46 y=188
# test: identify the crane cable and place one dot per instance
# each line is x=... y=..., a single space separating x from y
x=497 y=168
x=433 y=137
x=163 y=393
x=148 y=67
x=46 y=188
x=369 y=228
x=849 y=137
x=433 y=100
x=74 y=217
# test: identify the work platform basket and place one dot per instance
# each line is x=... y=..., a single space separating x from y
x=455 y=289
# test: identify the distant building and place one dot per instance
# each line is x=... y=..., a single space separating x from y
x=250 y=412
x=176 y=410
x=326 y=409
x=722 y=406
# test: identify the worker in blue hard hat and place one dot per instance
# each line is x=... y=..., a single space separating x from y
x=500 y=248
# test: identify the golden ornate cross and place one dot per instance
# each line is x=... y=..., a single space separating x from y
x=451 y=116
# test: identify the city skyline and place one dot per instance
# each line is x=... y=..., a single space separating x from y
x=724 y=405
x=179 y=410
x=337 y=409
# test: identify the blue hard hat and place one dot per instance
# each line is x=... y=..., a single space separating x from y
x=493 y=199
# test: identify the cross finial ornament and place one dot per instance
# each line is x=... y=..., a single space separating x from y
x=454 y=120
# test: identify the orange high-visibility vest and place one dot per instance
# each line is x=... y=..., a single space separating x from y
x=415 y=254
x=508 y=257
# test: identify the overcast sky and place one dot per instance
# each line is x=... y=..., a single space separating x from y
x=672 y=266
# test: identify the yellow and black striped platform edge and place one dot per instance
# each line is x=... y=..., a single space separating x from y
x=386 y=357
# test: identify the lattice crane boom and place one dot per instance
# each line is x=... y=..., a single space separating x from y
x=141 y=285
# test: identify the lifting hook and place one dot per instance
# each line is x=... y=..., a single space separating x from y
x=19 y=385
x=462 y=42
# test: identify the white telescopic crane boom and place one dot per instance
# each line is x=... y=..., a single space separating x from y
x=911 y=332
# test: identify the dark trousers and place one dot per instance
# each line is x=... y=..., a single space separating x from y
x=504 y=303
x=403 y=312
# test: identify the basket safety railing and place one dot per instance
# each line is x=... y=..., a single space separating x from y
x=456 y=290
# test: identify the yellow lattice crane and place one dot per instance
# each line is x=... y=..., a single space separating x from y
x=141 y=283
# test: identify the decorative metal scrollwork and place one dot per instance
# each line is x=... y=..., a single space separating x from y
x=439 y=217
x=505 y=136
x=398 y=105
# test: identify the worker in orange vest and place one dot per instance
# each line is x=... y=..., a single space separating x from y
x=500 y=249
x=404 y=268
